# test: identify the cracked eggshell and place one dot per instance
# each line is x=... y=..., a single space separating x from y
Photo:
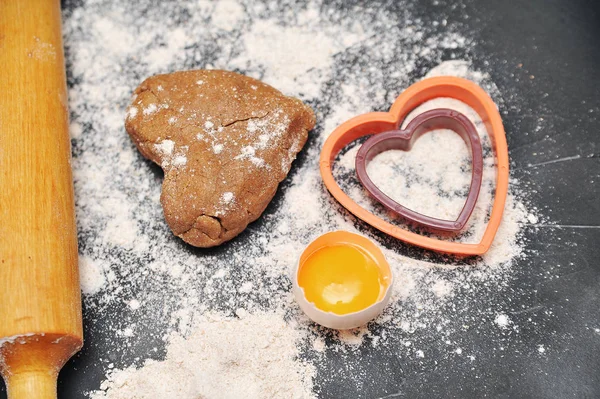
x=350 y=320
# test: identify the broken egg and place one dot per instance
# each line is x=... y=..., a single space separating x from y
x=342 y=280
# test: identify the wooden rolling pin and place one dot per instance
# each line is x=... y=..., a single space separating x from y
x=40 y=304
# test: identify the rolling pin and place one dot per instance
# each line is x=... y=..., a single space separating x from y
x=40 y=303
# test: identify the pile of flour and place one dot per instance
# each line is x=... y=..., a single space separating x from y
x=216 y=318
x=247 y=356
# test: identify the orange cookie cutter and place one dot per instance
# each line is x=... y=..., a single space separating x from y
x=378 y=122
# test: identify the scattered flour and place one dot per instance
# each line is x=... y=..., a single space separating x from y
x=216 y=361
x=227 y=15
x=441 y=288
x=132 y=112
x=246 y=287
x=249 y=152
x=533 y=219
x=165 y=147
x=91 y=275
x=180 y=160
x=218 y=148
x=150 y=109
x=134 y=304
x=227 y=315
x=227 y=197
x=294 y=58
x=502 y=321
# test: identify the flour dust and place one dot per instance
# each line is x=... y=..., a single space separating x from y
x=177 y=321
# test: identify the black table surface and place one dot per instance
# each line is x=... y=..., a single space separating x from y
x=558 y=43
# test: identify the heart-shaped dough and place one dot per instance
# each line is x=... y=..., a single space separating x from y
x=225 y=141
x=378 y=122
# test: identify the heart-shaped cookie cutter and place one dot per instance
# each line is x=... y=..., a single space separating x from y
x=403 y=140
x=377 y=122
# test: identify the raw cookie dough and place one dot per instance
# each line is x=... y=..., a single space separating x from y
x=224 y=141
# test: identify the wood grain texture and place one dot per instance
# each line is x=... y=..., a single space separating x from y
x=40 y=304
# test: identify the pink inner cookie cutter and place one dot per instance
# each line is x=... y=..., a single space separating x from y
x=404 y=140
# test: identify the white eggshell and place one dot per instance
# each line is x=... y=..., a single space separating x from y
x=336 y=321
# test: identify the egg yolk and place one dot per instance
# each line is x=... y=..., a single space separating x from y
x=340 y=279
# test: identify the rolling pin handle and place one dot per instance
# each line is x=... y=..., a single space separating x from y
x=38 y=384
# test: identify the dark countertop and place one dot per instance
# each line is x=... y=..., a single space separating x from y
x=557 y=43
